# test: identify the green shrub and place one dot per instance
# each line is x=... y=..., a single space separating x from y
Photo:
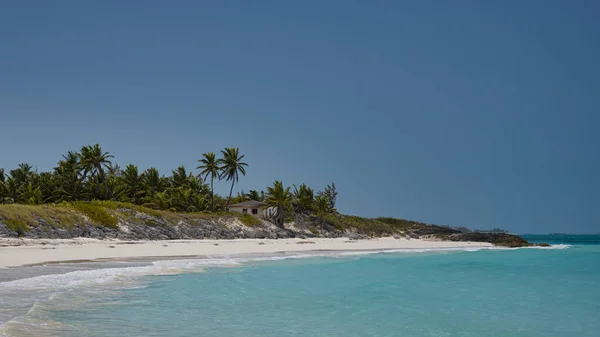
x=314 y=230
x=62 y=217
x=118 y=204
x=17 y=226
x=372 y=227
x=249 y=220
x=97 y=214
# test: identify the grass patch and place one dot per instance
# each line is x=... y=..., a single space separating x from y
x=29 y=214
x=97 y=214
x=400 y=224
x=114 y=205
x=371 y=227
x=249 y=220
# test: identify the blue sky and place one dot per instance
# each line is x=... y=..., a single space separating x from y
x=475 y=113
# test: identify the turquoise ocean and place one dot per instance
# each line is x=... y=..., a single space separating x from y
x=528 y=292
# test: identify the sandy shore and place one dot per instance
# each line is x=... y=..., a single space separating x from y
x=22 y=252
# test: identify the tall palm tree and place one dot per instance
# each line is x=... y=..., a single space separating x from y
x=210 y=168
x=281 y=199
x=231 y=167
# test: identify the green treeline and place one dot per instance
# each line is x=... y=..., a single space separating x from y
x=90 y=175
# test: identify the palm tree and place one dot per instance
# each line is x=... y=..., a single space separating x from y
x=70 y=162
x=210 y=167
x=255 y=195
x=281 y=199
x=231 y=167
x=93 y=161
x=113 y=189
x=330 y=194
x=23 y=174
x=322 y=208
x=17 y=184
x=132 y=181
x=152 y=183
x=179 y=177
x=161 y=200
x=304 y=198
x=68 y=186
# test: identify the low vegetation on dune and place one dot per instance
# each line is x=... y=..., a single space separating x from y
x=370 y=227
x=29 y=215
x=249 y=220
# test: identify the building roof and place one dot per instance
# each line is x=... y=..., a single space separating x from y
x=249 y=204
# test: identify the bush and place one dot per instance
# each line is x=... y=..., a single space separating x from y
x=249 y=220
x=117 y=204
x=16 y=226
x=400 y=224
x=62 y=217
x=371 y=227
x=97 y=214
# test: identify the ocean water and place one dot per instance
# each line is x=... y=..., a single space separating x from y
x=481 y=293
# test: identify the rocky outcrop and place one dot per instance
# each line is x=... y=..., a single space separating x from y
x=499 y=239
x=451 y=234
x=152 y=230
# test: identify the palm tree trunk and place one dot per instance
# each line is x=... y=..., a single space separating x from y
x=230 y=192
x=212 y=194
x=279 y=221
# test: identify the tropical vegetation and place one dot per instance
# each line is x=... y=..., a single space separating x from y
x=88 y=176
x=86 y=186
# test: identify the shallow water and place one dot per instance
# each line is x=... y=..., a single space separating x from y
x=513 y=292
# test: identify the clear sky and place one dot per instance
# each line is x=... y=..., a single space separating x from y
x=475 y=113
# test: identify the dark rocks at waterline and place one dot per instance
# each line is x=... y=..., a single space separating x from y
x=499 y=239
x=446 y=233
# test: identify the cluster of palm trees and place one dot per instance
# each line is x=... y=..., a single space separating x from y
x=89 y=174
x=228 y=167
x=301 y=200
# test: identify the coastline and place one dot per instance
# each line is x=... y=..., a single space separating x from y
x=29 y=252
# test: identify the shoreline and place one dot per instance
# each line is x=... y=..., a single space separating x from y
x=36 y=252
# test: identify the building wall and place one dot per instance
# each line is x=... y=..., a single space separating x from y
x=263 y=213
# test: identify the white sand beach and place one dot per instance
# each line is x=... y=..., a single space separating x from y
x=22 y=252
